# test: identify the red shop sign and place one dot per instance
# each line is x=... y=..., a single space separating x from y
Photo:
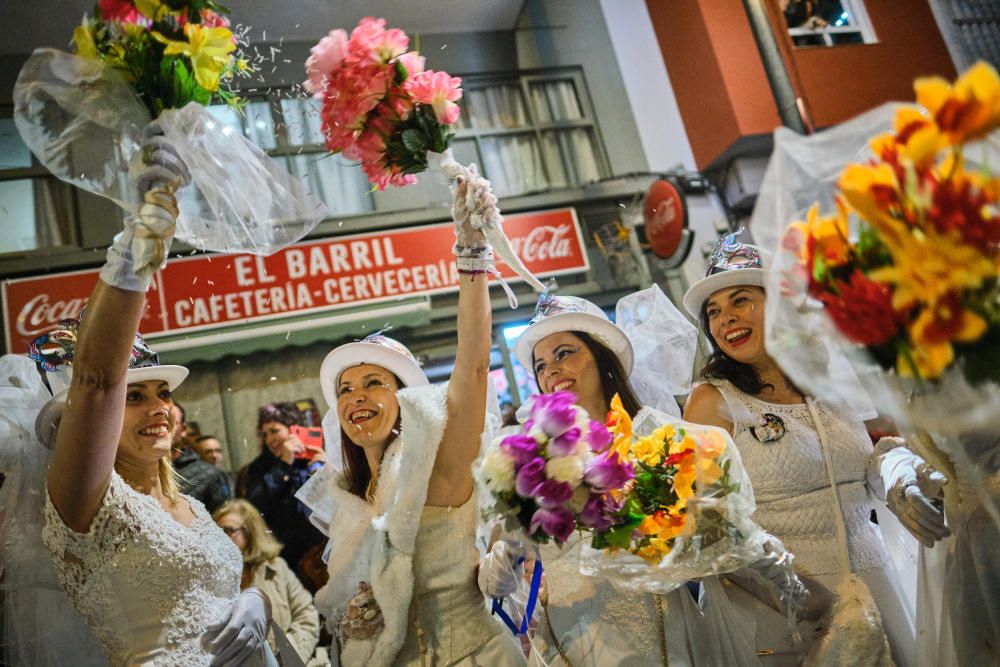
x=211 y=291
x=665 y=216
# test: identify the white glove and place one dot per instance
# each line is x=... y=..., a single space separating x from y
x=243 y=634
x=155 y=173
x=909 y=484
x=500 y=569
x=777 y=567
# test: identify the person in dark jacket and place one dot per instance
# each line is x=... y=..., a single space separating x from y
x=271 y=480
x=198 y=479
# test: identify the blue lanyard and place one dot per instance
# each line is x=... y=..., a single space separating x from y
x=536 y=584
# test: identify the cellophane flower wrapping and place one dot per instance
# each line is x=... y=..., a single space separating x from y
x=885 y=240
x=83 y=116
x=554 y=475
x=381 y=107
x=685 y=514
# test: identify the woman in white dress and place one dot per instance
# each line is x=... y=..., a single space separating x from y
x=792 y=447
x=401 y=513
x=154 y=577
x=572 y=346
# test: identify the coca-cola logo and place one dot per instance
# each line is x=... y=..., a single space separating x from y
x=39 y=314
x=544 y=242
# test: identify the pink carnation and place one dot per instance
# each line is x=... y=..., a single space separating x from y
x=439 y=90
x=122 y=11
x=413 y=62
x=371 y=42
x=324 y=58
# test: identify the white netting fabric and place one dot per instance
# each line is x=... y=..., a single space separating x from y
x=84 y=121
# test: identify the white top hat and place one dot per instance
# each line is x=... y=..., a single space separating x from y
x=569 y=313
x=54 y=352
x=375 y=349
x=732 y=263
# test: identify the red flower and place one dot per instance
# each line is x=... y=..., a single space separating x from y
x=674 y=459
x=960 y=204
x=863 y=310
x=121 y=10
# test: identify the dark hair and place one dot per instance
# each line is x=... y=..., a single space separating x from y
x=356 y=470
x=614 y=379
x=720 y=366
x=283 y=413
x=203 y=438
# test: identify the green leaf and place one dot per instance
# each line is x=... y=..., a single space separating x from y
x=414 y=141
x=620 y=536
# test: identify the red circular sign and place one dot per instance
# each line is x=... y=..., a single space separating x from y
x=665 y=215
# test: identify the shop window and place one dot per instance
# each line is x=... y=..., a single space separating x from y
x=827 y=22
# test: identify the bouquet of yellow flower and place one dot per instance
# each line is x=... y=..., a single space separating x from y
x=685 y=514
x=151 y=67
x=916 y=283
x=172 y=52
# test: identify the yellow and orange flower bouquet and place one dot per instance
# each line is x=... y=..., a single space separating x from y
x=908 y=264
x=685 y=513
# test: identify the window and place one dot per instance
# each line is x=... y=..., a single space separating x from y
x=36 y=209
x=827 y=22
x=527 y=134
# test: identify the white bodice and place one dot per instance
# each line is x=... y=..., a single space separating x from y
x=447 y=603
x=792 y=486
x=147 y=585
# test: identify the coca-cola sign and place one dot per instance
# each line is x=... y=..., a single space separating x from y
x=210 y=291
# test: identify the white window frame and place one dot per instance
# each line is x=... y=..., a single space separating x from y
x=862 y=25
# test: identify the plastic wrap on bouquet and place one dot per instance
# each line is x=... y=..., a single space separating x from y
x=708 y=532
x=40 y=624
x=84 y=122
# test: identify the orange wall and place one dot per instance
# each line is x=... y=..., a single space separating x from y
x=719 y=81
x=722 y=89
x=841 y=82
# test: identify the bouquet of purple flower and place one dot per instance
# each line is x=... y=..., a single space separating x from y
x=555 y=475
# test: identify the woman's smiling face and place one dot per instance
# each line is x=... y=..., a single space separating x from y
x=562 y=362
x=367 y=404
x=736 y=322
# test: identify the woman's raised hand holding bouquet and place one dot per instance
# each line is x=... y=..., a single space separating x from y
x=381 y=107
x=86 y=118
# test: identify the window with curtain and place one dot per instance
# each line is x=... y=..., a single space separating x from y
x=527 y=134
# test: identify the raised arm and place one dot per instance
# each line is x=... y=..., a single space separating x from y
x=87 y=439
x=451 y=481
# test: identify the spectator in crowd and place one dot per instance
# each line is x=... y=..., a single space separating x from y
x=292 y=609
x=271 y=480
x=209 y=449
x=197 y=479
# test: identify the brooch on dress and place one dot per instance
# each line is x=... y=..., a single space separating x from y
x=771 y=428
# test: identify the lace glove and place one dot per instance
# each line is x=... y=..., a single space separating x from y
x=244 y=633
x=501 y=568
x=363 y=618
x=473 y=207
x=777 y=567
x=909 y=485
x=155 y=173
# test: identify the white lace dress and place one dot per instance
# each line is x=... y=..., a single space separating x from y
x=795 y=503
x=589 y=623
x=147 y=585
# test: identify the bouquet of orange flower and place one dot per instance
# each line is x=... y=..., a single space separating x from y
x=908 y=264
x=685 y=514
x=86 y=115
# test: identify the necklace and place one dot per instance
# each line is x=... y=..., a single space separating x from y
x=660 y=616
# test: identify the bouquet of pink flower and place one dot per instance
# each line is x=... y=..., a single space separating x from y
x=557 y=474
x=383 y=109
x=380 y=106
